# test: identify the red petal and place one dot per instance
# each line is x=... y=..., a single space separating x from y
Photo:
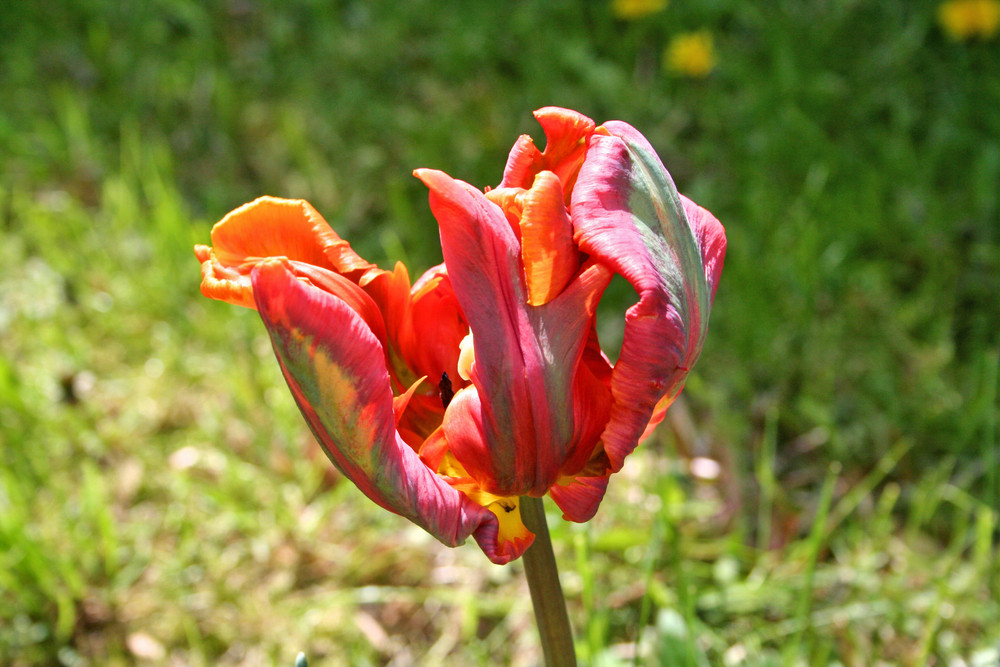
x=335 y=368
x=526 y=357
x=523 y=163
x=352 y=295
x=441 y=325
x=591 y=406
x=580 y=498
x=628 y=215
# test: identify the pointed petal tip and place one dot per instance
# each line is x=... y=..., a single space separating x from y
x=430 y=176
x=555 y=115
x=445 y=191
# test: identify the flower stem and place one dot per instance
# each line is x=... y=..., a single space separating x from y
x=546 y=593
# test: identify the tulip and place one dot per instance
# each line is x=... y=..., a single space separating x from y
x=450 y=400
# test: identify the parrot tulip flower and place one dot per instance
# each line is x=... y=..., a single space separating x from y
x=447 y=400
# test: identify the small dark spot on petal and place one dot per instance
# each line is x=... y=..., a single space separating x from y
x=445 y=389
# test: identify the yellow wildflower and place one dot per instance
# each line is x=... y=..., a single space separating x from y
x=636 y=9
x=690 y=54
x=966 y=19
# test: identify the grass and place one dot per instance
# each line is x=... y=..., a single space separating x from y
x=160 y=499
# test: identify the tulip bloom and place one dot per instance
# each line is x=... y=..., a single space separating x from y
x=448 y=400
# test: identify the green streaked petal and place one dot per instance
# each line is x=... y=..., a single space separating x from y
x=336 y=370
x=628 y=214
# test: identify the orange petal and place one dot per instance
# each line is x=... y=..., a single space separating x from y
x=659 y=413
x=224 y=283
x=441 y=325
x=566 y=134
x=400 y=402
x=434 y=449
x=271 y=227
x=550 y=256
x=390 y=290
x=511 y=201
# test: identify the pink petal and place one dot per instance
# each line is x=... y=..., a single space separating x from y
x=526 y=356
x=711 y=239
x=336 y=370
x=628 y=214
x=522 y=164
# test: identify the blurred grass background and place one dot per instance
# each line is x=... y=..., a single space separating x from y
x=826 y=493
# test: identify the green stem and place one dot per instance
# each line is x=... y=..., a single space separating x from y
x=546 y=593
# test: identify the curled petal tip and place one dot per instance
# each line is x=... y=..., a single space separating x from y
x=508 y=538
